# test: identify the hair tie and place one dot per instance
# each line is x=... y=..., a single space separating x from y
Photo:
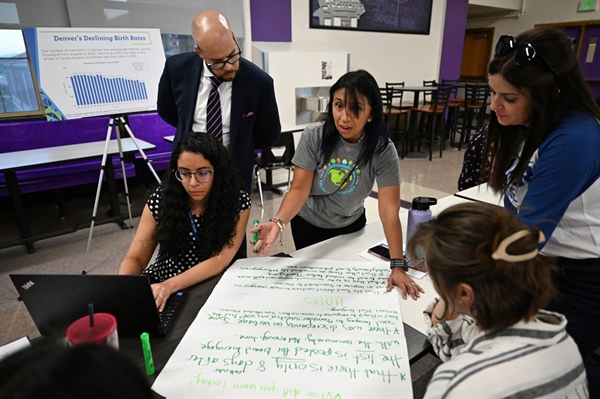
x=501 y=254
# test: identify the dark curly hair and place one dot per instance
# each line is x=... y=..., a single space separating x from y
x=222 y=210
x=550 y=97
x=458 y=246
x=357 y=83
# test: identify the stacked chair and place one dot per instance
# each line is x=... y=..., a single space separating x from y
x=470 y=116
x=432 y=121
x=453 y=103
x=428 y=95
x=392 y=106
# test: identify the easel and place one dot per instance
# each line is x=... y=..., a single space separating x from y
x=119 y=127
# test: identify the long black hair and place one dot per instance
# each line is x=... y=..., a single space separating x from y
x=550 y=97
x=357 y=83
x=222 y=209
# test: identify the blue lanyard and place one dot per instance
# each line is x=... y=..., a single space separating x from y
x=193 y=225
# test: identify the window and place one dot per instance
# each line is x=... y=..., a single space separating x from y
x=176 y=44
x=19 y=94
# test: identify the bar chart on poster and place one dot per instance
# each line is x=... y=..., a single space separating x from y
x=98 y=89
x=84 y=72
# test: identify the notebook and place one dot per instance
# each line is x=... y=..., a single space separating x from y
x=54 y=301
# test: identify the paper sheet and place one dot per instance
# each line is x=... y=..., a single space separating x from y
x=293 y=328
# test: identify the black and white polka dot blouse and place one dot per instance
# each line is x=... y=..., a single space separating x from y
x=164 y=268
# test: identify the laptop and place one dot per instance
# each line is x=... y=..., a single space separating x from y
x=54 y=301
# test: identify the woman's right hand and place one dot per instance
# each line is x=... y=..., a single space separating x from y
x=438 y=312
x=267 y=234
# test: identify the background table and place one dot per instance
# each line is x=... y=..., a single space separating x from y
x=10 y=162
x=416 y=90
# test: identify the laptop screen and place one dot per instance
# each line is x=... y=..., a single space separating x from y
x=54 y=301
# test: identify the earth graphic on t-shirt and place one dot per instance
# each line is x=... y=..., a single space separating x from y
x=339 y=176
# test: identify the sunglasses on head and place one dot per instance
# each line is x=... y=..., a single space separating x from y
x=523 y=53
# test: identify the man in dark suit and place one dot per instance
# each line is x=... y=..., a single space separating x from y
x=250 y=118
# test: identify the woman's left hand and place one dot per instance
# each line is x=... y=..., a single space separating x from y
x=161 y=292
x=400 y=279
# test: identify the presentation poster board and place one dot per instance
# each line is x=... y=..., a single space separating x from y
x=84 y=72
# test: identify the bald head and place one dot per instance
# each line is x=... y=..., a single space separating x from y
x=215 y=43
x=211 y=26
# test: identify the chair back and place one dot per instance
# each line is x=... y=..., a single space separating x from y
x=476 y=95
x=428 y=95
x=454 y=83
x=441 y=97
x=265 y=158
x=395 y=96
x=385 y=99
x=268 y=159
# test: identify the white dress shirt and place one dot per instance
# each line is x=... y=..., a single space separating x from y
x=225 y=88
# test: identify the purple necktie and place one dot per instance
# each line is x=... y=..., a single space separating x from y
x=214 y=127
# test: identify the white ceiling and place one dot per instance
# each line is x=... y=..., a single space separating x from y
x=479 y=11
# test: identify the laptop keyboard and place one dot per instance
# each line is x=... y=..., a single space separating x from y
x=167 y=316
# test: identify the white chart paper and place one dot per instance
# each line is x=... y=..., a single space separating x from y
x=293 y=328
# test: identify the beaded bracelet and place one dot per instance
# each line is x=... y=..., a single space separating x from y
x=281 y=226
x=279 y=222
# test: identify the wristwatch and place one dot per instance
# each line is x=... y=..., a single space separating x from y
x=399 y=263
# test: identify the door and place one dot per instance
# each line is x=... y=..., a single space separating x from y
x=477 y=52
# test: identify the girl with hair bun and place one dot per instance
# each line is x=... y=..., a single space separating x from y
x=488 y=325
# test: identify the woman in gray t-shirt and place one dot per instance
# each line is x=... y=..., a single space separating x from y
x=336 y=165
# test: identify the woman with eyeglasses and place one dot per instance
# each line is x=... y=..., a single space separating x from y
x=544 y=146
x=197 y=218
x=336 y=164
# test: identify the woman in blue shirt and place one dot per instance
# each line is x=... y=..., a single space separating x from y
x=543 y=143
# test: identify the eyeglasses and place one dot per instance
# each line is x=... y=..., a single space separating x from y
x=215 y=66
x=202 y=176
x=524 y=53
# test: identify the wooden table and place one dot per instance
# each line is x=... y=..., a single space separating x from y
x=10 y=162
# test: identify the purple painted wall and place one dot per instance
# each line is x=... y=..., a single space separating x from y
x=454 y=36
x=271 y=20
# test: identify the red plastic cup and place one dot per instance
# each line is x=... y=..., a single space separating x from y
x=104 y=331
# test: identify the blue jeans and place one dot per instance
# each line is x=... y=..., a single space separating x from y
x=578 y=285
